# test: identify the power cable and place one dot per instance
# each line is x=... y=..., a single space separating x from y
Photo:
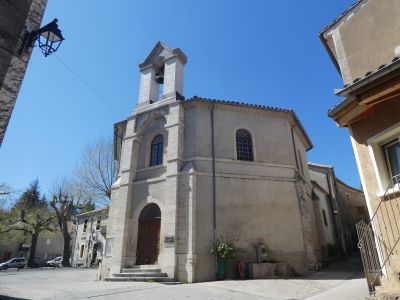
x=104 y=99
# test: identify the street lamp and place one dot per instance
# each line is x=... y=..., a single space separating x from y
x=49 y=38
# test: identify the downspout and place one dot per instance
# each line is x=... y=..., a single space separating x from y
x=213 y=183
x=76 y=236
x=299 y=196
x=337 y=227
x=333 y=214
x=296 y=177
x=294 y=146
x=213 y=175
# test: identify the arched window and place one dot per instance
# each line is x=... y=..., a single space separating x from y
x=156 y=152
x=244 y=146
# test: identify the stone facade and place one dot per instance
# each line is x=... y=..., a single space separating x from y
x=200 y=190
x=364 y=45
x=88 y=246
x=15 y=18
x=338 y=208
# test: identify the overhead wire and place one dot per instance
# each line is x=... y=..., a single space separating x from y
x=97 y=93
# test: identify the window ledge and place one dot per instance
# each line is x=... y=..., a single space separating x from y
x=151 y=168
x=388 y=192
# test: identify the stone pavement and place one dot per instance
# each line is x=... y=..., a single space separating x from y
x=342 y=281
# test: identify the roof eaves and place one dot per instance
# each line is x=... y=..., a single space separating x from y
x=358 y=83
x=346 y=91
x=348 y=186
x=95 y=211
x=243 y=104
x=320 y=165
x=329 y=50
x=257 y=106
x=342 y=15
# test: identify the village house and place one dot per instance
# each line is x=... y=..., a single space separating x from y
x=364 y=44
x=197 y=170
x=89 y=238
x=49 y=246
x=338 y=209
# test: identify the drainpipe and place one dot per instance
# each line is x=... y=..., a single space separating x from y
x=335 y=221
x=294 y=146
x=89 y=243
x=213 y=182
x=213 y=175
x=74 y=243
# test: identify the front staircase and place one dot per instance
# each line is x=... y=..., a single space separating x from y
x=143 y=273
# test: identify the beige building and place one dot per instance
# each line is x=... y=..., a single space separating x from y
x=364 y=44
x=353 y=208
x=89 y=239
x=49 y=246
x=328 y=221
x=340 y=207
x=196 y=170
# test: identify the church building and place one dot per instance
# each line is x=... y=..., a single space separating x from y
x=196 y=170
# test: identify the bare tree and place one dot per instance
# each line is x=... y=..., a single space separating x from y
x=5 y=194
x=4 y=189
x=67 y=199
x=97 y=170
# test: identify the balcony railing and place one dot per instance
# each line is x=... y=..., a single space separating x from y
x=379 y=239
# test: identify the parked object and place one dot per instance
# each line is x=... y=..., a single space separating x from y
x=39 y=262
x=221 y=269
x=241 y=268
x=18 y=263
x=55 y=263
x=223 y=251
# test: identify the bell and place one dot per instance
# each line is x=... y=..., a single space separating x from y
x=160 y=78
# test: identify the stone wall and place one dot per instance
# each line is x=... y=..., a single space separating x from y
x=14 y=17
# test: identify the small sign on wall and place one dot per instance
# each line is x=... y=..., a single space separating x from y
x=169 y=241
x=109 y=246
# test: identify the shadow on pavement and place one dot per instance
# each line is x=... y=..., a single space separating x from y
x=350 y=267
x=11 y=298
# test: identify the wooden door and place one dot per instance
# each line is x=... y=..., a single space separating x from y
x=148 y=246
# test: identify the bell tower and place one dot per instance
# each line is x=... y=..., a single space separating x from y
x=161 y=75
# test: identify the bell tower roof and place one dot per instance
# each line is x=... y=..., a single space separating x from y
x=161 y=53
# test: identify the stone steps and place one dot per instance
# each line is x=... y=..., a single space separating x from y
x=142 y=273
x=142 y=279
x=134 y=270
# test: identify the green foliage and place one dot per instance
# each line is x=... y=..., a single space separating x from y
x=31 y=198
x=9 y=237
x=30 y=215
x=223 y=250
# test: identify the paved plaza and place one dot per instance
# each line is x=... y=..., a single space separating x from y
x=342 y=281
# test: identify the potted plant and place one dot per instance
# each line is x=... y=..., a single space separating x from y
x=223 y=251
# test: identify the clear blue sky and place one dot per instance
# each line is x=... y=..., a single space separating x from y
x=256 y=51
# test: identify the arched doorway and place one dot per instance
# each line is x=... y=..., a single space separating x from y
x=148 y=243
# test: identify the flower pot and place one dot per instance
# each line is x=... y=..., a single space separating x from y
x=221 y=271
